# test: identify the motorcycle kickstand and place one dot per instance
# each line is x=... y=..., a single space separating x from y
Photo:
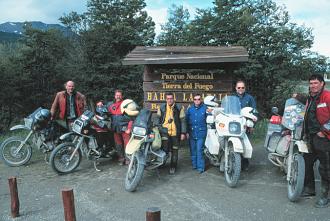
x=95 y=165
x=157 y=173
x=46 y=158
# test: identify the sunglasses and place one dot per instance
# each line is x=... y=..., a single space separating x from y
x=240 y=87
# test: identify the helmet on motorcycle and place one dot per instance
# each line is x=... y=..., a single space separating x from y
x=211 y=101
x=43 y=115
x=129 y=107
x=249 y=112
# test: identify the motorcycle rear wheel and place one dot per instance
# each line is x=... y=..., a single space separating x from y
x=296 y=183
x=135 y=172
x=9 y=154
x=60 y=156
x=233 y=172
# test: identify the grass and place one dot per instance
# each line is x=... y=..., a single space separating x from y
x=260 y=131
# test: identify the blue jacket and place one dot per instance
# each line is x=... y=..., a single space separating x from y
x=196 y=121
x=246 y=100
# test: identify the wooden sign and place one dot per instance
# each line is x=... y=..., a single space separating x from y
x=202 y=86
x=180 y=97
x=154 y=106
x=185 y=75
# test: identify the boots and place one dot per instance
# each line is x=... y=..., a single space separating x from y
x=323 y=201
x=120 y=153
x=174 y=161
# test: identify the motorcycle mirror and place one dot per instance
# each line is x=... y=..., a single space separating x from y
x=274 y=110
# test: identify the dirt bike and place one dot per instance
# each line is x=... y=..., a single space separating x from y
x=17 y=151
x=226 y=141
x=143 y=150
x=285 y=145
x=85 y=129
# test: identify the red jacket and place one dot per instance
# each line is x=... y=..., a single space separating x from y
x=60 y=103
x=323 y=111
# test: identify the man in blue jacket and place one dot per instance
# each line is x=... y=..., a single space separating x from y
x=246 y=100
x=196 y=128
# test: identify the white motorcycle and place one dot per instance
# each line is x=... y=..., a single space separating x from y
x=226 y=140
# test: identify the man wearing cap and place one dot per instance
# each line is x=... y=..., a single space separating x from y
x=69 y=104
x=172 y=117
x=197 y=128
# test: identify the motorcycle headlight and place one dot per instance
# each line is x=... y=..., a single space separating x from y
x=141 y=131
x=235 y=127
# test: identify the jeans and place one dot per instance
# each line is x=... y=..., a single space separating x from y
x=196 y=152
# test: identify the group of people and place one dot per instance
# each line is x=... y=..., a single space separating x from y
x=191 y=125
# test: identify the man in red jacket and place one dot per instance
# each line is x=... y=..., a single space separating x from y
x=317 y=131
x=121 y=125
x=69 y=104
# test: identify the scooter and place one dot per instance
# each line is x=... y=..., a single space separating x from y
x=226 y=141
x=143 y=150
x=285 y=145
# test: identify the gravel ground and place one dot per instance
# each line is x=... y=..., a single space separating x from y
x=187 y=195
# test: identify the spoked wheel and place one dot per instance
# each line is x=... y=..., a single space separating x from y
x=296 y=182
x=135 y=172
x=233 y=171
x=13 y=153
x=60 y=158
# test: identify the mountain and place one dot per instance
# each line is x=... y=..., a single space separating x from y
x=12 y=30
x=8 y=37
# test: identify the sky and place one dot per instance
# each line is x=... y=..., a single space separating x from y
x=312 y=14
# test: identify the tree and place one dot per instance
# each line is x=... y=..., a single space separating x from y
x=108 y=31
x=279 y=50
x=175 y=31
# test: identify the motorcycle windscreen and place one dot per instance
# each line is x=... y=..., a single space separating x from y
x=133 y=145
x=231 y=105
x=143 y=119
x=293 y=115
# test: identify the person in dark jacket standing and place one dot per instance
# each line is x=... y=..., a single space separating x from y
x=246 y=100
x=69 y=104
x=172 y=117
x=317 y=132
x=196 y=128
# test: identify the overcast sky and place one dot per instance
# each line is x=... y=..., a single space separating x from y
x=314 y=14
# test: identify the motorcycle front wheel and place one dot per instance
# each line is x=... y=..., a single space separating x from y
x=10 y=153
x=296 y=182
x=135 y=172
x=60 y=158
x=233 y=172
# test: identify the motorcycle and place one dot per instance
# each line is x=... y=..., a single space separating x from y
x=226 y=141
x=17 y=151
x=67 y=156
x=143 y=150
x=285 y=145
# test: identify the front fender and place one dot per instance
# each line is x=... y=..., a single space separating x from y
x=66 y=135
x=17 y=127
x=302 y=146
x=237 y=144
x=133 y=145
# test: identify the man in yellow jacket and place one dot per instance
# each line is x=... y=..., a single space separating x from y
x=172 y=117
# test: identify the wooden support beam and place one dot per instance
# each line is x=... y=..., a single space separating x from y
x=68 y=204
x=14 y=197
x=153 y=214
